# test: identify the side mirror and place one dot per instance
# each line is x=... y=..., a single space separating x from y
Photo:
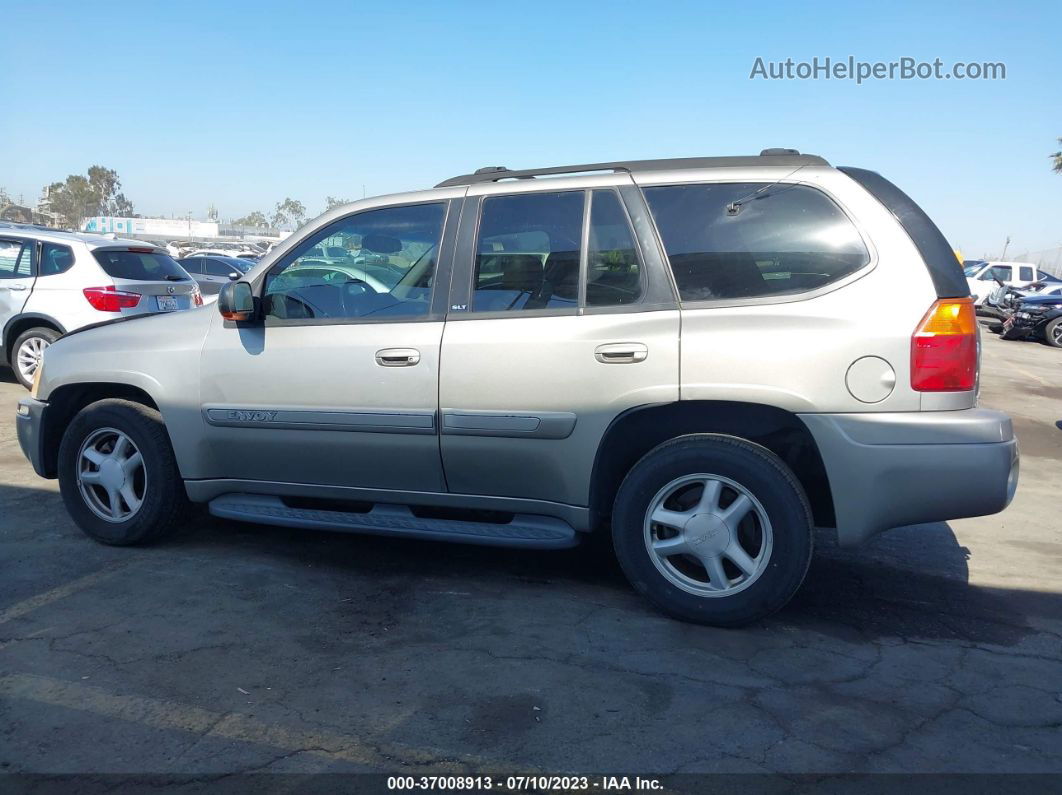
x=235 y=302
x=234 y=276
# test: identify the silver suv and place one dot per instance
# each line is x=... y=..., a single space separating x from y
x=705 y=357
x=53 y=282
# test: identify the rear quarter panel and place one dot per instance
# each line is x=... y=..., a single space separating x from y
x=795 y=351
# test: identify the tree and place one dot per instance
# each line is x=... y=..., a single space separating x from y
x=256 y=219
x=290 y=211
x=331 y=202
x=1057 y=156
x=79 y=197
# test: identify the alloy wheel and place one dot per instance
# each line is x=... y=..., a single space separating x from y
x=111 y=475
x=708 y=535
x=28 y=356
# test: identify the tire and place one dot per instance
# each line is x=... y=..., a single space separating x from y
x=156 y=482
x=1053 y=333
x=29 y=344
x=1012 y=334
x=775 y=535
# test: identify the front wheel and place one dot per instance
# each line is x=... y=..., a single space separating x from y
x=713 y=529
x=118 y=476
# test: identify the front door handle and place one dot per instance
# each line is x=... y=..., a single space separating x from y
x=14 y=287
x=397 y=357
x=621 y=353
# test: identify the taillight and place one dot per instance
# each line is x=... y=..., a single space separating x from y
x=944 y=348
x=109 y=299
x=197 y=297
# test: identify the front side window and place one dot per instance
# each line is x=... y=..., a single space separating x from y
x=752 y=240
x=613 y=271
x=223 y=268
x=378 y=264
x=527 y=255
x=16 y=259
x=1000 y=272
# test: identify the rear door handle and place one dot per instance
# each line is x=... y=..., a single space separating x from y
x=621 y=353
x=397 y=357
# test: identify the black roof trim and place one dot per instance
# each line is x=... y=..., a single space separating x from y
x=944 y=268
x=768 y=157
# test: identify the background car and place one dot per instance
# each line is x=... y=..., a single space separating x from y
x=984 y=278
x=213 y=272
x=52 y=282
x=240 y=253
x=1038 y=318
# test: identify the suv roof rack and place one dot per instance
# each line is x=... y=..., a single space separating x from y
x=767 y=157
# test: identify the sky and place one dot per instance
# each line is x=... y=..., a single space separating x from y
x=240 y=104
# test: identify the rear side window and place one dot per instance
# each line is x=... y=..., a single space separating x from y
x=16 y=259
x=1026 y=274
x=55 y=259
x=145 y=266
x=528 y=252
x=753 y=240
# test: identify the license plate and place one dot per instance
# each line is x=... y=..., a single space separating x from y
x=166 y=303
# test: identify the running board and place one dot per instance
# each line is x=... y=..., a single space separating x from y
x=525 y=530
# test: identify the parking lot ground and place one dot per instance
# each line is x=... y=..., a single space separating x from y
x=235 y=647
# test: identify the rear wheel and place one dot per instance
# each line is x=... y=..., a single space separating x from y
x=27 y=351
x=713 y=529
x=1053 y=333
x=118 y=476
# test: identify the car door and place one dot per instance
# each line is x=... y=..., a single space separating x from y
x=338 y=383
x=558 y=323
x=17 y=272
x=215 y=275
x=986 y=282
x=1025 y=276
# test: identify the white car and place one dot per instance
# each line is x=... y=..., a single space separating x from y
x=982 y=277
x=52 y=282
x=239 y=253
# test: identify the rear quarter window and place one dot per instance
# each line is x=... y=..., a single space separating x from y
x=139 y=265
x=753 y=240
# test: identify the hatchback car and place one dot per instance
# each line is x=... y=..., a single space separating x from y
x=52 y=282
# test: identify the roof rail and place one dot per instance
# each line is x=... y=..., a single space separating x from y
x=33 y=227
x=768 y=157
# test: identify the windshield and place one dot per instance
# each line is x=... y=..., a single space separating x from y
x=141 y=265
x=971 y=270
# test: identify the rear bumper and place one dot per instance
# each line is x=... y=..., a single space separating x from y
x=894 y=469
x=30 y=436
